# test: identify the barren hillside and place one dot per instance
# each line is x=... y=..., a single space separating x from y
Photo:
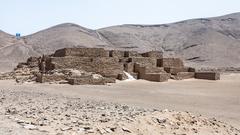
x=64 y=35
x=204 y=42
x=210 y=42
x=46 y=42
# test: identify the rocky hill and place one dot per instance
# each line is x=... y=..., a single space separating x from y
x=46 y=42
x=205 y=42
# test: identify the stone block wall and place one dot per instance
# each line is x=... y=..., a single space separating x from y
x=157 y=75
x=129 y=67
x=111 y=64
x=89 y=81
x=43 y=78
x=207 y=75
x=160 y=77
x=116 y=53
x=69 y=62
x=175 y=70
x=141 y=70
x=170 y=62
x=106 y=66
x=153 y=54
x=149 y=62
x=131 y=54
x=121 y=54
x=155 y=70
x=82 y=52
x=183 y=75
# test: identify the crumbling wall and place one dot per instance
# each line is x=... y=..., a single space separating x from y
x=33 y=62
x=116 y=53
x=43 y=78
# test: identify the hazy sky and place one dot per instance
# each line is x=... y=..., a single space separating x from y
x=29 y=16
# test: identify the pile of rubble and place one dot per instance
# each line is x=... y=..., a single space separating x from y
x=78 y=66
x=55 y=114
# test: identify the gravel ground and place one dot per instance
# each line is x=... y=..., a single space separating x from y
x=35 y=113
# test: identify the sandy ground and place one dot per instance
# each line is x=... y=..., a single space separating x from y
x=219 y=99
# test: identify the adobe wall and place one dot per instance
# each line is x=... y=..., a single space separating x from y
x=82 y=52
x=106 y=66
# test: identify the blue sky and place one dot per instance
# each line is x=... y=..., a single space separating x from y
x=29 y=16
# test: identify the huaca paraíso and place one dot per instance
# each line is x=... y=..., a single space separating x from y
x=79 y=66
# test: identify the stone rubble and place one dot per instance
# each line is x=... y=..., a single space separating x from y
x=56 y=114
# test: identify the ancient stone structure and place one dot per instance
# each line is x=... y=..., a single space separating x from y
x=78 y=66
x=207 y=75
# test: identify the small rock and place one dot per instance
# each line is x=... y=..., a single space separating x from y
x=81 y=130
x=87 y=128
x=126 y=129
x=30 y=127
x=161 y=120
x=65 y=128
x=102 y=131
x=108 y=130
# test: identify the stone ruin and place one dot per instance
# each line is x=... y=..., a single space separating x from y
x=78 y=66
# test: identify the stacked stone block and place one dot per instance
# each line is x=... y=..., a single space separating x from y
x=110 y=64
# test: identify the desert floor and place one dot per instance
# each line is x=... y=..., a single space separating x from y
x=219 y=99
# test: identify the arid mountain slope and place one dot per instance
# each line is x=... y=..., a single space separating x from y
x=46 y=42
x=64 y=35
x=205 y=42
x=5 y=39
x=211 y=42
